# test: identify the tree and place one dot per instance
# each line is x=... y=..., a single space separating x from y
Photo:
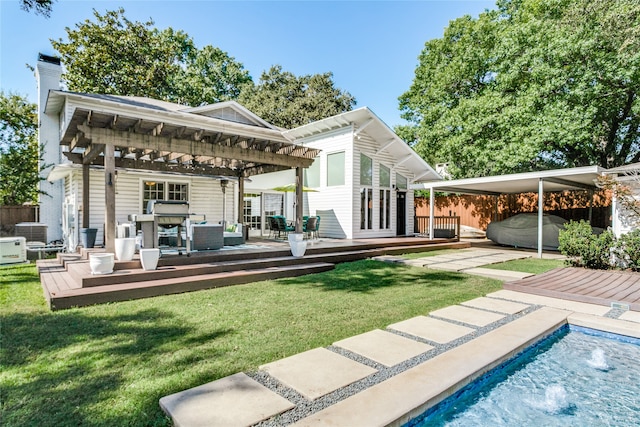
x=41 y=7
x=211 y=76
x=288 y=101
x=20 y=162
x=532 y=85
x=118 y=56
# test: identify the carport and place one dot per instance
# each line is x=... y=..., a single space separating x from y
x=580 y=178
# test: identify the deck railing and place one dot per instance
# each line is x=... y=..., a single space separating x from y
x=445 y=227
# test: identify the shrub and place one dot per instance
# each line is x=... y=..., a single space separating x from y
x=584 y=248
x=627 y=250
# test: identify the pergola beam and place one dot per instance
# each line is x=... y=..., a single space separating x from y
x=160 y=143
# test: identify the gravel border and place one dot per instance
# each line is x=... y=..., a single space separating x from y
x=305 y=407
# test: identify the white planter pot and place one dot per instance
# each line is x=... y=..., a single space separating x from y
x=298 y=244
x=101 y=263
x=149 y=258
x=125 y=248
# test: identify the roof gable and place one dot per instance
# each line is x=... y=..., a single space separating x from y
x=230 y=111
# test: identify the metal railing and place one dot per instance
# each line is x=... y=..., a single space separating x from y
x=444 y=227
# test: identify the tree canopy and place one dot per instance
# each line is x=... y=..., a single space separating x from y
x=19 y=156
x=114 y=55
x=41 y=7
x=288 y=101
x=532 y=85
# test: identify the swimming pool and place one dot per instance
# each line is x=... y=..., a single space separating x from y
x=577 y=376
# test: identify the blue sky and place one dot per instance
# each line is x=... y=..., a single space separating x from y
x=371 y=47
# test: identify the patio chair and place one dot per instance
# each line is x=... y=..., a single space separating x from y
x=280 y=225
x=273 y=226
x=311 y=227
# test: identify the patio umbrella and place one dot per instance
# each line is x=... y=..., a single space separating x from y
x=291 y=188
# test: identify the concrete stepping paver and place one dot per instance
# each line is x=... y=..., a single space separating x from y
x=432 y=329
x=317 y=372
x=501 y=306
x=383 y=347
x=580 y=307
x=232 y=401
x=467 y=315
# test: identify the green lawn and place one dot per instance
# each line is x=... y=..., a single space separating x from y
x=528 y=265
x=108 y=365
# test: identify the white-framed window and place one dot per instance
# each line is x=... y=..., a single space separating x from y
x=312 y=174
x=385 y=197
x=401 y=182
x=163 y=190
x=366 y=208
x=335 y=169
x=366 y=192
x=366 y=171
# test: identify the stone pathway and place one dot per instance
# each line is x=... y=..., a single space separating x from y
x=469 y=261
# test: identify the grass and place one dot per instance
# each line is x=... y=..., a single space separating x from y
x=108 y=365
x=528 y=265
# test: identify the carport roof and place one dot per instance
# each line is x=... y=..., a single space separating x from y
x=554 y=180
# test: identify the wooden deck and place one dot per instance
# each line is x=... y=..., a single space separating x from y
x=583 y=285
x=67 y=280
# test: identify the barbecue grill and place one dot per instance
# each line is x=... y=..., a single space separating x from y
x=166 y=214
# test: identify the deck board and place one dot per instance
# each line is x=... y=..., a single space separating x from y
x=584 y=285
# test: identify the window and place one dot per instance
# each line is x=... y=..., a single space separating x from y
x=366 y=170
x=251 y=211
x=160 y=190
x=335 y=169
x=177 y=191
x=366 y=208
x=385 y=197
x=385 y=177
x=152 y=191
x=312 y=174
x=401 y=182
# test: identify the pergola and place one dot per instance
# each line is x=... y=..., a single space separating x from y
x=138 y=133
x=580 y=178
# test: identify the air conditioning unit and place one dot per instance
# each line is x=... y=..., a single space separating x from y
x=13 y=250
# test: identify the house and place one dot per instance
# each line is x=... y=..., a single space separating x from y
x=111 y=155
x=360 y=178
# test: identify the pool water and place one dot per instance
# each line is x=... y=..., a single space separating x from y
x=576 y=377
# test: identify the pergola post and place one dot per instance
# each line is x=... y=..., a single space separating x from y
x=240 y=200
x=85 y=195
x=432 y=202
x=109 y=196
x=299 y=183
x=540 y=215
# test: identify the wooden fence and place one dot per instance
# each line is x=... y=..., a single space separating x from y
x=12 y=215
x=479 y=211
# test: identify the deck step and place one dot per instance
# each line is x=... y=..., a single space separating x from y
x=81 y=272
x=150 y=288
